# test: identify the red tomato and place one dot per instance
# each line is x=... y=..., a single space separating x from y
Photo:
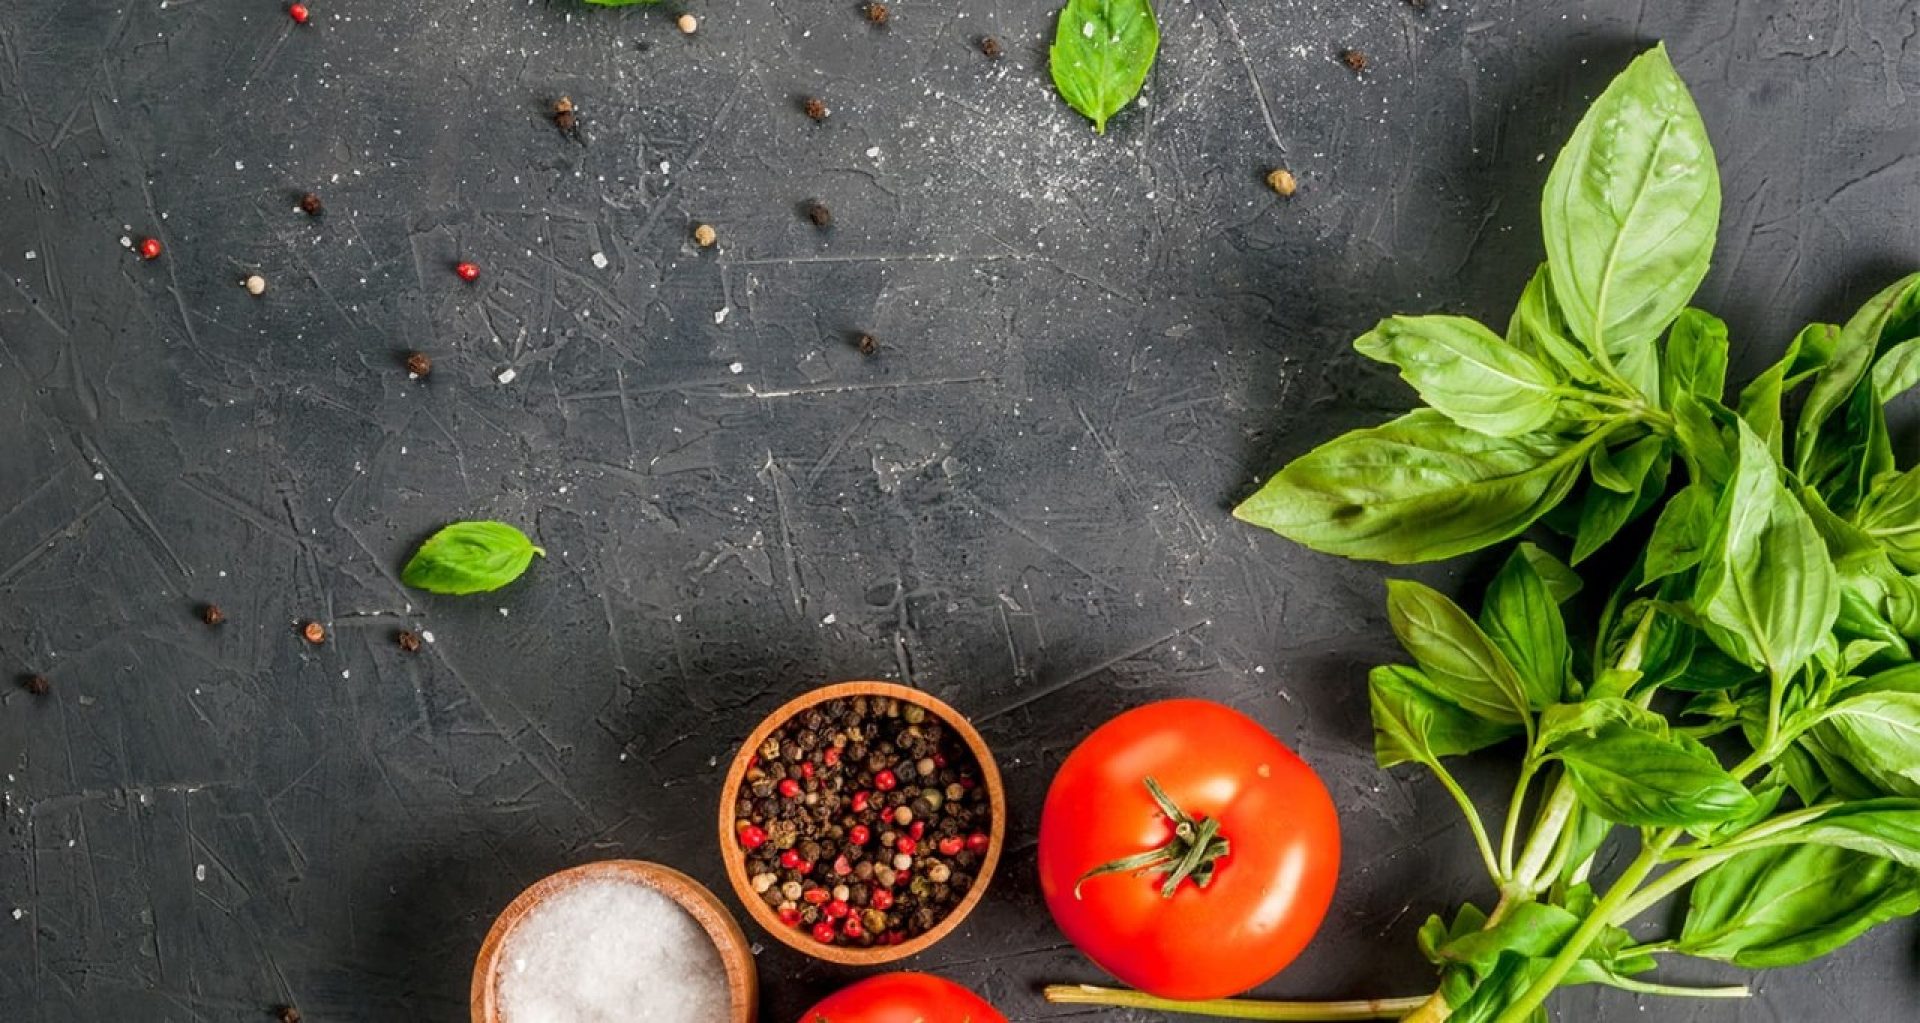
x=903 y=998
x=1268 y=891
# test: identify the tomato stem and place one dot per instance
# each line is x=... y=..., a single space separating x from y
x=1190 y=854
x=1236 y=1008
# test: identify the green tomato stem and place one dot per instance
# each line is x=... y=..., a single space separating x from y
x=1241 y=1008
x=1680 y=991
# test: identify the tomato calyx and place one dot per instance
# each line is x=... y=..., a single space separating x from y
x=1190 y=855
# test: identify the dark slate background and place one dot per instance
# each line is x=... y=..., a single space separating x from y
x=1090 y=348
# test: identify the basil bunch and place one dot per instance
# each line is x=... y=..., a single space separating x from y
x=1771 y=605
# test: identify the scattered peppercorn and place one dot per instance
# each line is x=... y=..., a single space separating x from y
x=299 y=14
x=990 y=46
x=815 y=108
x=1282 y=182
x=420 y=364
x=310 y=205
x=566 y=118
x=255 y=284
x=314 y=632
x=818 y=213
x=36 y=684
x=468 y=272
x=289 y=1014
x=1355 y=60
x=688 y=23
x=704 y=236
x=149 y=248
x=878 y=13
x=409 y=640
x=837 y=827
x=866 y=344
x=212 y=615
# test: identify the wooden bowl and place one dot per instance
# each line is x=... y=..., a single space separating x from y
x=743 y=987
x=736 y=858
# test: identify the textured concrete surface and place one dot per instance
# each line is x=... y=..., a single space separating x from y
x=1089 y=348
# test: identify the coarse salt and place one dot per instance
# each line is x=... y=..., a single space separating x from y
x=611 y=952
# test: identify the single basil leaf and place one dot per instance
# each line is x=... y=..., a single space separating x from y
x=1642 y=467
x=1887 y=828
x=1897 y=371
x=1101 y=53
x=1466 y=372
x=1461 y=662
x=1851 y=451
x=470 y=557
x=1679 y=533
x=1878 y=734
x=1767 y=590
x=1562 y=582
x=1760 y=399
x=1498 y=988
x=1420 y=488
x=1630 y=209
x=1532 y=929
x=1564 y=722
x=1891 y=516
x=1412 y=723
x=1708 y=449
x=1696 y=357
x=1854 y=350
x=1785 y=905
x=1711 y=670
x=1538 y=329
x=1523 y=619
x=1630 y=776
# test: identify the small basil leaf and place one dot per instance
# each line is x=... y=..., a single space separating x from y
x=1630 y=209
x=1466 y=372
x=1531 y=929
x=1562 y=582
x=1897 y=371
x=1760 y=399
x=1640 y=469
x=1853 y=353
x=1878 y=734
x=1538 y=329
x=1566 y=721
x=1891 y=516
x=1102 y=50
x=1521 y=617
x=1462 y=663
x=1767 y=590
x=1785 y=905
x=1887 y=828
x=1412 y=723
x=1679 y=533
x=1631 y=776
x=1707 y=447
x=1696 y=357
x=1500 y=987
x=1420 y=488
x=470 y=557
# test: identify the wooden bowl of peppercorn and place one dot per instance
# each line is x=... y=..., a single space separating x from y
x=861 y=822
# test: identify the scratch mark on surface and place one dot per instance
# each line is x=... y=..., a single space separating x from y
x=1044 y=691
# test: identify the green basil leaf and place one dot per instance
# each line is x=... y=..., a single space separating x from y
x=1767 y=590
x=1531 y=929
x=1639 y=471
x=1891 y=516
x=1630 y=209
x=1498 y=988
x=1420 y=488
x=1897 y=371
x=1854 y=350
x=1466 y=372
x=1878 y=734
x=1564 y=722
x=1785 y=905
x=1523 y=619
x=1760 y=399
x=1708 y=448
x=470 y=557
x=1538 y=329
x=1413 y=723
x=1631 y=776
x=1850 y=452
x=1102 y=50
x=1886 y=828
x=1696 y=357
x=1679 y=533
x=1562 y=582
x=1461 y=662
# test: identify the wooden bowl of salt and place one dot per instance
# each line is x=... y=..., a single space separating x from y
x=617 y=939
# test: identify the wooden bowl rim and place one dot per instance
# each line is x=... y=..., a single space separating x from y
x=700 y=903
x=736 y=859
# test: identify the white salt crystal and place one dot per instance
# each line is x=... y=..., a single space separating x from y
x=611 y=952
x=506 y=376
x=736 y=368
x=599 y=261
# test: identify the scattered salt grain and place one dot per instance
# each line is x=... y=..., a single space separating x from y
x=1087 y=30
x=611 y=952
x=599 y=261
x=736 y=368
x=506 y=376
x=19 y=913
x=199 y=872
x=720 y=315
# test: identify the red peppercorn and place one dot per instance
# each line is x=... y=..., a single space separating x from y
x=823 y=933
x=939 y=760
x=977 y=843
x=906 y=845
x=842 y=866
x=836 y=909
x=895 y=937
x=881 y=900
x=831 y=757
x=468 y=272
x=858 y=834
x=919 y=828
x=806 y=769
x=851 y=927
x=299 y=13
x=860 y=799
x=753 y=836
x=952 y=845
x=149 y=248
x=789 y=788
x=967 y=783
x=884 y=781
x=790 y=915
x=815 y=896
x=791 y=860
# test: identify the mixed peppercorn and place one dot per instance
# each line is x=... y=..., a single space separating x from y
x=863 y=820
